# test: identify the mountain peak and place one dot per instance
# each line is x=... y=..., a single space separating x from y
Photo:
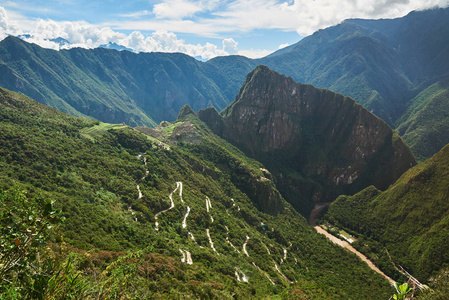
x=318 y=143
x=184 y=111
x=260 y=70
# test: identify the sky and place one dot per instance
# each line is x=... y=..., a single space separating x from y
x=199 y=28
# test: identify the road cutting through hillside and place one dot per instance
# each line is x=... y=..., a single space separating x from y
x=180 y=190
x=244 y=246
x=138 y=186
x=243 y=278
x=186 y=257
x=184 y=221
x=146 y=172
x=280 y=273
x=264 y=273
x=208 y=207
x=348 y=246
x=178 y=185
x=210 y=241
x=229 y=241
x=266 y=247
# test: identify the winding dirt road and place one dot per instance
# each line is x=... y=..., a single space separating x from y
x=244 y=246
x=348 y=246
x=178 y=185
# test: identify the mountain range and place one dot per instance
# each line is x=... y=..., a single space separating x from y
x=384 y=65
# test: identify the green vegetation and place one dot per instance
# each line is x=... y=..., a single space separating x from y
x=403 y=290
x=410 y=219
x=24 y=226
x=108 y=85
x=112 y=182
x=101 y=128
x=108 y=246
x=439 y=286
x=424 y=126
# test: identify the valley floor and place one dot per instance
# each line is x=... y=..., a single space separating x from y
x=348 y=246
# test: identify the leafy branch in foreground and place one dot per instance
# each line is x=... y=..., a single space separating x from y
x=402 y=291
x=25 y=224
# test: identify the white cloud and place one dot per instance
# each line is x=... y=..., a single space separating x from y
x=43 y=43
x=176 y=9
x=6 y=26
x=283 y=45
x=302 y=16
x=183 y=26
x=305 y=16
x=180 y=9
x=136 y=14
x=230 y=46
x=85 y=35
x=258 y=53
x=210 y=18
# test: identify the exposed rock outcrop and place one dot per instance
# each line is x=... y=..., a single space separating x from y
x=317 y=143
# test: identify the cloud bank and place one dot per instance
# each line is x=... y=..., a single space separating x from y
x=85 y=35
x=301 y=16
x=218 y=19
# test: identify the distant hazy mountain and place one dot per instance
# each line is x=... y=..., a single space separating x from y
x=115 y=46
x=60 y=41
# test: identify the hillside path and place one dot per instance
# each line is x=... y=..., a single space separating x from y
x=348 y=246
x=178 y=185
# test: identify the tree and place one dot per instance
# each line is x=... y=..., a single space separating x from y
x=25 y=224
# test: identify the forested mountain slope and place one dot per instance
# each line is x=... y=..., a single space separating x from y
x=425 y=124
x=409 y=219
x=382 y=64
x=109 y=85
x=179 y=212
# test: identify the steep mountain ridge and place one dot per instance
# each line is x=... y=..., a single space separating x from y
x=318 y=144
x=421 y=41
x=349 y=59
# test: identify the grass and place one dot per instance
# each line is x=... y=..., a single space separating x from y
x=99 y=129
x=347 y=236
x=169 y=129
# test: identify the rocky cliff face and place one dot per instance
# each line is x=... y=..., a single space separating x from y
x=317 y=143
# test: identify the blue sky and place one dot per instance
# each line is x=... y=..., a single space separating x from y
x=200 y=28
